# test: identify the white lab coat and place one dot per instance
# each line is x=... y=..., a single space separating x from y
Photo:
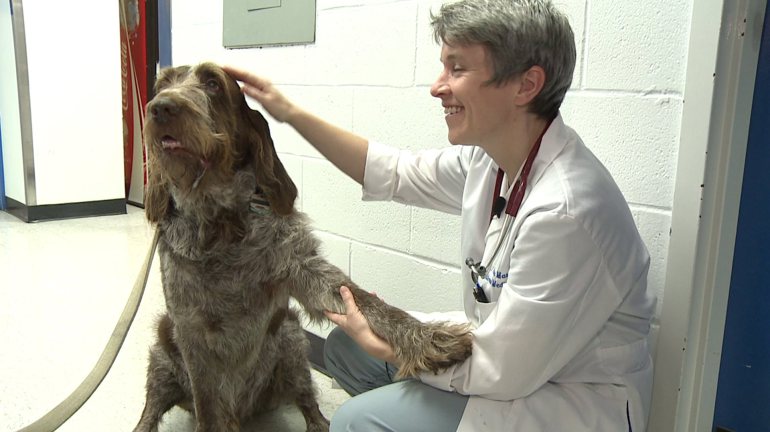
x=562 y=344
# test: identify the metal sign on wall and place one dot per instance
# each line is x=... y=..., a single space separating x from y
x=254 y=23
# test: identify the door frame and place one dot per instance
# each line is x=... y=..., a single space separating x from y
x=719 y=86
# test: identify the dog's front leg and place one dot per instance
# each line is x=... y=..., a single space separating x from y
x=213 y=399
x=213 y=412
x=419 y=347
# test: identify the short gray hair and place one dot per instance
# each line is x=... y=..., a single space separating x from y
x=519 y=34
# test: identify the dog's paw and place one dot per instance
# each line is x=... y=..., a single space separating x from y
x=440 y=346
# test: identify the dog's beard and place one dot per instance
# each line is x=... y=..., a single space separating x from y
x=184 y=175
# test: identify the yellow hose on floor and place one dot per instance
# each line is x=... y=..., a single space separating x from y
x=69 y=406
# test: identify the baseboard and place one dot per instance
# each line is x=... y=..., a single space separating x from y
x=317 y=352
x=65 y=211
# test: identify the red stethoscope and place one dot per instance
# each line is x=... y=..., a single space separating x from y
x=478 y=271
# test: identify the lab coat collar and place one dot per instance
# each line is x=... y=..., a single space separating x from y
x=552 y=144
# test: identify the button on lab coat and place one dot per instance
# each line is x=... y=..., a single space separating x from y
x=562 y=343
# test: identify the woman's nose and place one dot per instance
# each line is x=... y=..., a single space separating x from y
x=439 y=88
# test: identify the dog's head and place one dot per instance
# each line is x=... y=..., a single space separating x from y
x=200 y=132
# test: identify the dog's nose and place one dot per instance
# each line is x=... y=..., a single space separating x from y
x=163 y=109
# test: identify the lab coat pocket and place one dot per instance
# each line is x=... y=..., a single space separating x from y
x=624 y=359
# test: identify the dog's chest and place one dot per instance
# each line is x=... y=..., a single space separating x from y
x=216 y=280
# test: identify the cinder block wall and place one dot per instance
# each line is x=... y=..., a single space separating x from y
x=370 y=71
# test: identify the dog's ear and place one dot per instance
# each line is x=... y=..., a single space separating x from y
x=272 y=177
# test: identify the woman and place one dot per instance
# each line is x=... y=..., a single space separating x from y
x=554 y=271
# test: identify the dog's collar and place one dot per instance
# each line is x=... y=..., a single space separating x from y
x=259 y=204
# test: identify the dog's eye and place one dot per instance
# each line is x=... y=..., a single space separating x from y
x=212 y=85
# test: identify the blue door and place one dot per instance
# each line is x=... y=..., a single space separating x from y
x=743 y=391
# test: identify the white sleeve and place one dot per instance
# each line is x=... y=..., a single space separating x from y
x=431 y=179
x=558 y=296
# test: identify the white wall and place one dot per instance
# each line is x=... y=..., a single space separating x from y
x=370 y=70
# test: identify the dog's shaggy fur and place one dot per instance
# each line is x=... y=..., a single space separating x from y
x=233 y=250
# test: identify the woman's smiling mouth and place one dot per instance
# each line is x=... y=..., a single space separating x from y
x=451 y=110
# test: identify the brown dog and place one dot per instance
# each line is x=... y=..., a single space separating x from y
x=233 y=250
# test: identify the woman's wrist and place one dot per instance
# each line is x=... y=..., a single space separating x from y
x=292 y=114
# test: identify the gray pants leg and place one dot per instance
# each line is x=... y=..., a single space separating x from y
x=380 y=403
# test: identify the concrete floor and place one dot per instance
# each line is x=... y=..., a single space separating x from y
x=62 y=286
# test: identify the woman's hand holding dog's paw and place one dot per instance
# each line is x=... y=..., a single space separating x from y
x=355 y=324
x=393 y=335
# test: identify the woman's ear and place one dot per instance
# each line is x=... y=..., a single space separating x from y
x=531 y=83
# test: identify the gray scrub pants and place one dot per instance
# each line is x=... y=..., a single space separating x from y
x=381 y=404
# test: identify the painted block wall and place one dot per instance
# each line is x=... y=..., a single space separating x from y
x=370 y=71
